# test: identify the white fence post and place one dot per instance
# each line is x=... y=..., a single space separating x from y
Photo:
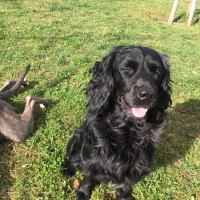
x=192 y=11
x=173 y=12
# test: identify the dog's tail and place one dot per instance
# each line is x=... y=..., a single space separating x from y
x=9 y=93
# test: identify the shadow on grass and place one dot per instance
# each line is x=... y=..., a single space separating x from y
x=6 y=179
x=180 y=17
x=197 y=17
x=181 y=130
x=183 y=17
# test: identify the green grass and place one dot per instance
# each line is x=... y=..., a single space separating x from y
x=62 y=40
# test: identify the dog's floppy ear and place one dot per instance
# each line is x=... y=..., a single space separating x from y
x=165 y=87
x=166 y=78
x=101 y=86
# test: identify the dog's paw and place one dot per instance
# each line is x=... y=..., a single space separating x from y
x=42 y=106
x=43 y=102
x=67 y=173
x=80 y=195
x=25 y=83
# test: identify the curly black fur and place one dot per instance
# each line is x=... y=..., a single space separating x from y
x=114 y=145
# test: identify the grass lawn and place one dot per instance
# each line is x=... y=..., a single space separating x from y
x=62 y=39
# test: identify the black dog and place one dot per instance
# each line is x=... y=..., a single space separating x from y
x=127 y=97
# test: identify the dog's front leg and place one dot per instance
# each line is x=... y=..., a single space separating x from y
x=123 y=195
x=9 y=84
x=83 y=192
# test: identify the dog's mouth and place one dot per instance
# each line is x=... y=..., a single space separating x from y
x=138 y=112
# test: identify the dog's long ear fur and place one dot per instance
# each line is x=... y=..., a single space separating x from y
x=101 y=86
x=164 y=90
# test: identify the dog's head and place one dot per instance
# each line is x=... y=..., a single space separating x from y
x=138 y=77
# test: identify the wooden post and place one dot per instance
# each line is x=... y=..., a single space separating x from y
x=192 y=11
x=189 y=8
x=173 y=12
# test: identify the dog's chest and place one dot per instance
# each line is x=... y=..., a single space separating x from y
x=125 y=163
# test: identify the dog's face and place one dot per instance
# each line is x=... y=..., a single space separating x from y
x=138 y=77
x=137 y=74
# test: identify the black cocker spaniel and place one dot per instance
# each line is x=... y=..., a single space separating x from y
x=127 y=97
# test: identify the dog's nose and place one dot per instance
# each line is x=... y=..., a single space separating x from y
x=145 y=93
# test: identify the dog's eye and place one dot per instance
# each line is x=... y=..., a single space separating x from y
x=129 y=70
x=156 y=71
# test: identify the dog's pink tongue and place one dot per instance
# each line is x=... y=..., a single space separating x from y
x=139 y=112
